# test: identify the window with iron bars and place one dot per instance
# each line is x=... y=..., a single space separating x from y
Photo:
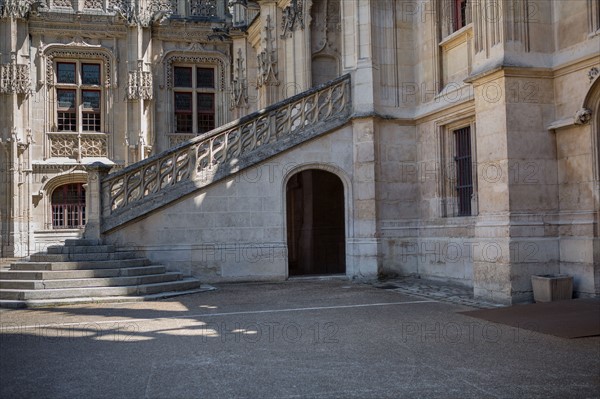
x=464 y=171
x=68 y=206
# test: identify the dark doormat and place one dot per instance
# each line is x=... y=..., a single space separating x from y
x=573 y=318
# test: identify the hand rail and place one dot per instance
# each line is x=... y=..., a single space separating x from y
x=203 y=154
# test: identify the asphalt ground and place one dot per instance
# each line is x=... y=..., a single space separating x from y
x=294 y=339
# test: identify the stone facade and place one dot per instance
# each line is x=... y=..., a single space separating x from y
x=471 y=152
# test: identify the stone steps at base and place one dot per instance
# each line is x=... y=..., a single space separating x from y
x=81 y=242
x=16 y=304
x=96 y=256
x=88 y=292
x=75 y=274
x=89 y=282
x=80 y=265
x=80 y=249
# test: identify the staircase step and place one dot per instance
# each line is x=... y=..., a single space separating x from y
x=81 y=241
x=89 y=282
x=81 y=265
x=86 y=292
x=81 y=257
x=75 y=274
x=80 y=249
x=106 y=299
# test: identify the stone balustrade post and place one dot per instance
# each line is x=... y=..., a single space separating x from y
x=93 y=199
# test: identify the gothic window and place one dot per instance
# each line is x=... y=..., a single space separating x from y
x=79 y=95
x=194 y=99
x=68 y=206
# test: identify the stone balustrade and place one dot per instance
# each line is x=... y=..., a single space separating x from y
x=160 y=179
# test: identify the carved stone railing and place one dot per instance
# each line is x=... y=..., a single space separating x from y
x=78 y=145
x=162 y=178
x=176 y=139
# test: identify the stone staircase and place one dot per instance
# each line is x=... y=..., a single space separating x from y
x=84 y=271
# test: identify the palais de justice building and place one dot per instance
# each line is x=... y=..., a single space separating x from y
x=450 y=139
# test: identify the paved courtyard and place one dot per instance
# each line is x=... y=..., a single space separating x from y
x=296 y=339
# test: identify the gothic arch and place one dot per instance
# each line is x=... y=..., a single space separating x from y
x=69 y=177
x=590 y=111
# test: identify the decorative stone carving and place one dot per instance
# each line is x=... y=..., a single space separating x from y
x=95 y=52
x=593 y=72
x=203 y=8
x=155 y=12
x=267 y=59
x=139 y=85
x=178 y=138
x=239 y=85
x=14 y=78
x=583 y=116
x=193 y=59
x=19 y=9
x=78 y=145
x=93 y=4
x=293 y=18
x=325 y=27
x=62 y=3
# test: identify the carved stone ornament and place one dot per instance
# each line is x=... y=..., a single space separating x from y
x=293 y=18
x=20 y=9
x=592 y=73
x=583 y=116
x=239 y=85
x=193 y=59
x=79 y=50
x=267 y=59
x=14 y=78
x=203 y=8
x=139 y=84
x=78 y=145
x=93 y=4
x=155 y=12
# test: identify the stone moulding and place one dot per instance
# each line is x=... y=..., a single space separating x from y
x=171 y=59
x=160 y=179
x=79 y=51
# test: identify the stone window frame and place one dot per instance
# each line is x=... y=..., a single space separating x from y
x=194 y=90
x=202 y=60
x=81 y=52
x=70 y=176
x=78 y=208
x=447 y=167
x=448 y=11
x=79 y=87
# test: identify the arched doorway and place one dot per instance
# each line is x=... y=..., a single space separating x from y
x=315 y=224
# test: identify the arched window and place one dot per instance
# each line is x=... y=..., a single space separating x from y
x=68 y=206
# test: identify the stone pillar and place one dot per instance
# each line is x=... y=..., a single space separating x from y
x=363 y=246
x=93 y=200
